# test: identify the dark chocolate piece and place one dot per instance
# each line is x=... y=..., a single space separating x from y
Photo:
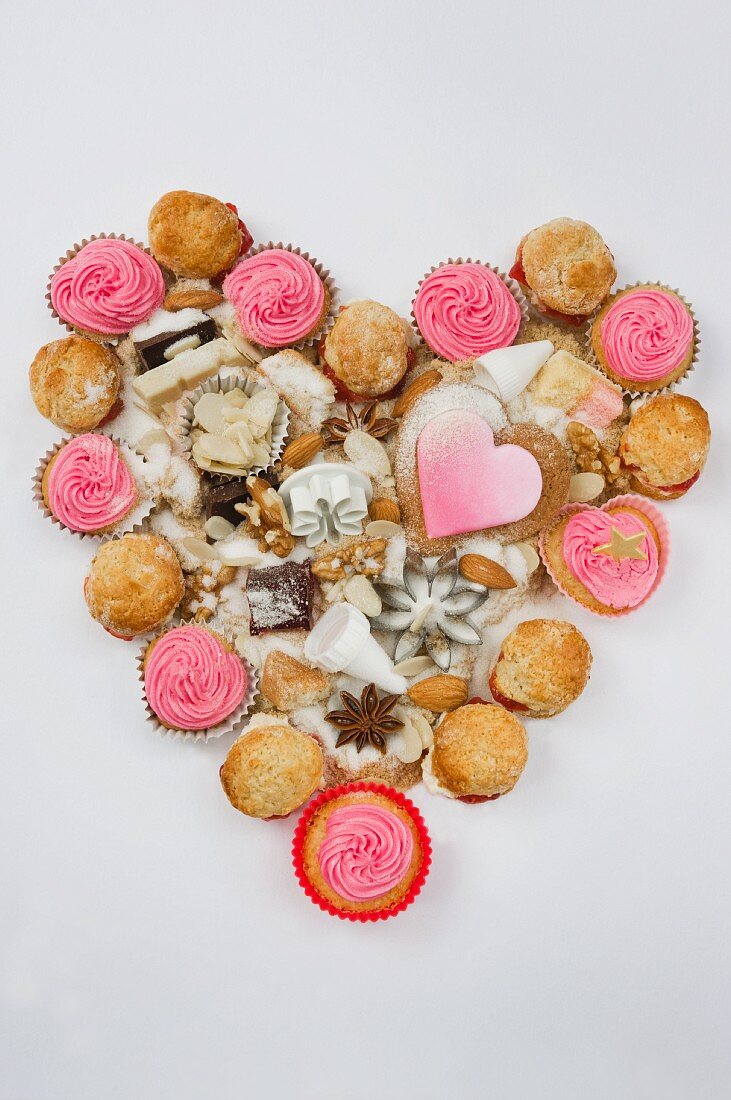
x=220 y=500
x=280 y=597
x=152 y=351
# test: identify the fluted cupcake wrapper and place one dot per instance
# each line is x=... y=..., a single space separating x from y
x=323 y=274
x=99 y=337
x=221 y=383
x=301 y=832
x=230 y=724
x=512 y=285
x=629 y=500
x=133 y=521
x=625 y=385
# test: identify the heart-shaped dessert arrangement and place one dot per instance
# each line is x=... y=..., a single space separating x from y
x=314 y=519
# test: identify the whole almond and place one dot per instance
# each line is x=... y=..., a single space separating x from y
x=385 y=509
x=439 y=693
x=192 y=299
x=301 y=451
x=481 y=570
x=421 y=385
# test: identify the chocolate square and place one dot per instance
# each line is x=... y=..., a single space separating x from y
x=280 y=597
x=221 y=497
x=152 y=351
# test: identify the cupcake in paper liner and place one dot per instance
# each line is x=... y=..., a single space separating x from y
x=93 y=485
x=463 y=309
x=195 y=685
x=610 y=559
x=361 y=852
x=644 y=338
x=223 y=423
x=283 y=297
x=104 y=286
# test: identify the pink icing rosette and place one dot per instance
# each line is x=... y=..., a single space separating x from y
x=95 y=488
x=465 y=308
x=193 y=685
x=105 y=286
x=366 y=851
x=646 y=334
x=624 y=585
x=282 y=297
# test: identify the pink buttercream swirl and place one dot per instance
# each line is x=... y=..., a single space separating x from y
x=466 y=310
x=108 y=287
x=646 y=335
x=191 y=681
x=617 y=584
x=90 y=486
x=278 y=296
x=367 y=851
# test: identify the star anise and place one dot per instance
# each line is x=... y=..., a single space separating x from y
x=364 y=721
x=367 y=420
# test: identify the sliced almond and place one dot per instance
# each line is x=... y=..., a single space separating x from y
x=585 y=486
x=367 y=454
x=421 y=385
x=156 y=437
x=382 y=529
x=359 y=592
x=409 y=746
x=413 y=666
x=237 y=552
x=217 y=527
x=530 y=554
x=485 y=571
x=208 y=413
x=199 y=549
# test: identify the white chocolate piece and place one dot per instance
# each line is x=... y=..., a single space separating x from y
x=169 y=381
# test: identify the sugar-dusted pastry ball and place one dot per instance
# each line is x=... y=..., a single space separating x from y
x=134 y=584
x=542 y=666
x=74 y=383
x=271 y=769
x=665 y=445
x=566 y=267
x=367 y=349
x=194 y=235
x=479 y=752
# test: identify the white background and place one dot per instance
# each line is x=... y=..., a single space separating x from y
x=573 y=938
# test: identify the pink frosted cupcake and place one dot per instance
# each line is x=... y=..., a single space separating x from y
x=464 y=310
x=644 y=338
x=87 y=486
x=608 y=559
x=194 y=681
x=106 y=286
x=279 y=297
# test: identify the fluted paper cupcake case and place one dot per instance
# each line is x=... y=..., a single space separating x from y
x=224 y=384
x=625 y=385
x=629 y=500
x=512 y=285
x=230 y=724
x=132 y=522
x=301 y=832
x=323 y=274
x=99 y=337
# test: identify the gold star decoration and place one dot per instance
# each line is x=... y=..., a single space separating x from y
x=623 y=546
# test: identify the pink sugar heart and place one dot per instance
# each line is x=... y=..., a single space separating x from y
x=466 y=482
